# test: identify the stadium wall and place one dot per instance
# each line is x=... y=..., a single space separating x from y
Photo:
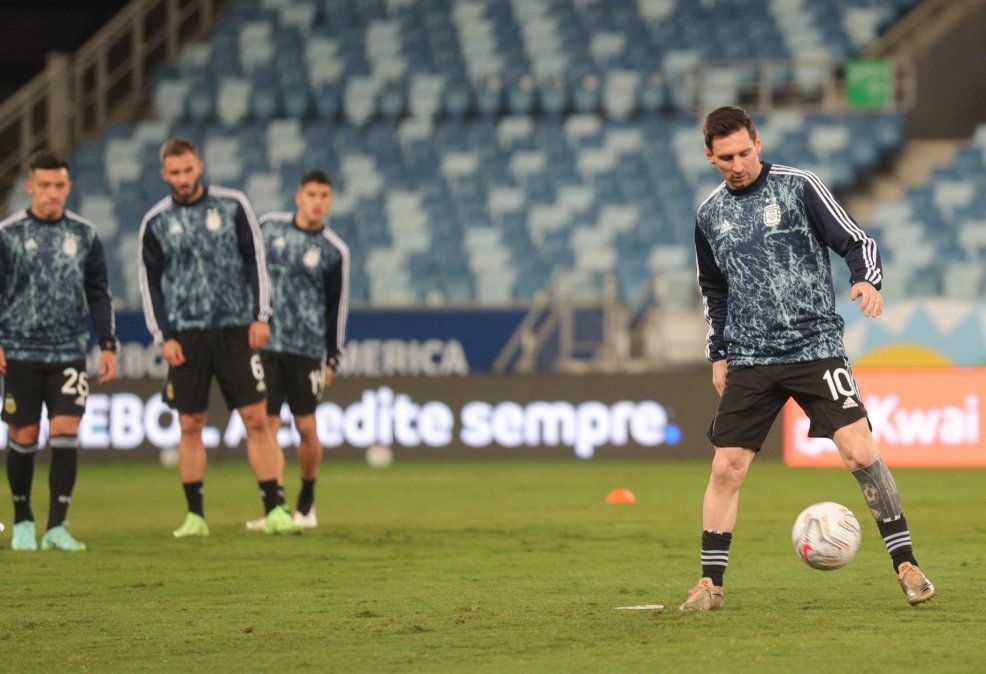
x=543 y=416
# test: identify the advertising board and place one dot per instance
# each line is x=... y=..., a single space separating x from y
x=920 y=418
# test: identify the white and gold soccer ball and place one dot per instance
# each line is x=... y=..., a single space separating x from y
x=826 y=536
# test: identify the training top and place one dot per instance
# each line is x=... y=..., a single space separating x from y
x=309 y=276
x=764 y=270
x=52 y=276
x=202 y=264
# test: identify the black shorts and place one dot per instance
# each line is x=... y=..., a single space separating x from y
x=825 y=390
x=297 y=379
x=222 y=353
x=62 y=387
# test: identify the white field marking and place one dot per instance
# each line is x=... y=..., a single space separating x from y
x=643 y=607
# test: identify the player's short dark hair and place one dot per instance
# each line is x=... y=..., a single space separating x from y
x=315 y=176
x=47 y=159
x=175 y=147
x=725 y=121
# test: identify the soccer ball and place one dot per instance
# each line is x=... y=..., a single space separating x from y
x=826 y=536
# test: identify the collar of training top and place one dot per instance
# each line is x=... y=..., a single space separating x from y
x=755 y=185
x=37 y=218
x=205 y=193
x=294 y=221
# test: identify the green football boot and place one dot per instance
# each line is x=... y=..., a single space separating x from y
x=24 y=536
x=278 y=521
x=194 y=525
x=58 y=538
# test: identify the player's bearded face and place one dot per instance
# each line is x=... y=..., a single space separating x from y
x=183 y=173
x=313 y=201
x=737 y=157
x=49 y=190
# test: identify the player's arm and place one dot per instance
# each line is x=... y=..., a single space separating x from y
x=836 y=228
x=336 y=307
x=3 y=284
x=97 y=288
x=715 y=294
x=150 y=268
x=251 y=246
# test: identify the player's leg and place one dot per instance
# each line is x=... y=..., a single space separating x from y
x=187 y=392
x=304 y=382
x=309 y=459
x=22 y=445
x=748 y=407
x=829 y=395
x=240 y=373
x=263 y=453
x=859 y=452
x=66 y=392
x=273 y=377
x=64 y=443
x=22 y=398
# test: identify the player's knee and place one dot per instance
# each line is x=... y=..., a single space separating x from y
x=857 y=446
x=254 y=421
x=25 y=436
x=305 y=425
x=727 y=472
x=192 y=424
x=65 y=425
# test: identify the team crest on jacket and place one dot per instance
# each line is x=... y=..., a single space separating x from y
x=31 y=245
x=279 y=243
x=212 y=220
x=312 y=258
x=772 y=215
x=70 y=246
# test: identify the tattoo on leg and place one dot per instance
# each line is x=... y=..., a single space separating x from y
x=879 y=490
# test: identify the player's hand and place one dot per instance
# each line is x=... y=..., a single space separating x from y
x=258 y=334
x=107 y=366
x=719 y=376
x=872 y=303
x=172 y=353
x=329 y=375
x=3 y=361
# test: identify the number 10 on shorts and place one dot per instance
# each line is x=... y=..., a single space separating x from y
x=840 y=383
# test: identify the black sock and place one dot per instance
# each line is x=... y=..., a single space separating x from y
x=306 y=499
x=282 y=498
x=897 y=538
x=715 y=554
x=20 y=473
x=61 y=476
x=193 y=494
x=268 y=491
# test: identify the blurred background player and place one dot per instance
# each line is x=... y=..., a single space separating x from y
x=762 y=240
x=309 y=273
x=206 y=297
x=52 y=276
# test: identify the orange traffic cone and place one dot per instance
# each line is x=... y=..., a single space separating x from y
x=621 y=495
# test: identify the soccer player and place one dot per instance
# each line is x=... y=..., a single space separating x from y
x=762 y=240
x=52 y=276
x=309 y=273
x=206 y=295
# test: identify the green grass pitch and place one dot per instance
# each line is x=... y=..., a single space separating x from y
x=496 y=567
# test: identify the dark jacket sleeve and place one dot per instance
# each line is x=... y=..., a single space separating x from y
x=3 y=267
x=97 y=287
x=336 y=308
x=254 y=260
x=151 y=268
x=715 y=293
x=841 y=233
